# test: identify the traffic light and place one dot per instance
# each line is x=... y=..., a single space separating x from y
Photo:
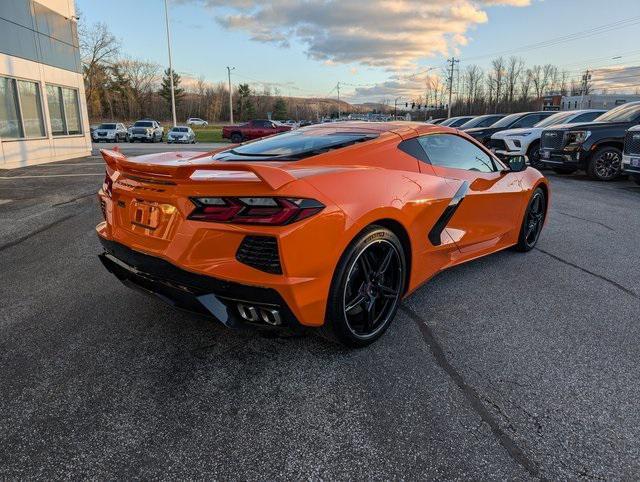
x=413 y=105
x=406 y=104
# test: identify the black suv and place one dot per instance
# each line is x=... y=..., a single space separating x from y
x=512 y=121
x=595 y=147
x=631 y=154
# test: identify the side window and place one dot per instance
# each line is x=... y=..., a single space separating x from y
x=448 y=150
x=586 y=117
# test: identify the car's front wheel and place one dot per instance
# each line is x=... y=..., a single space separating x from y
x=534 y=156
x=533 y=221
x=605 y=164
x=367 y=286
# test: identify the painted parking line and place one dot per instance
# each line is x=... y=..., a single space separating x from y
x=51 y=175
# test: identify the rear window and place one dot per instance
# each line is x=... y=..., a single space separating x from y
x=143 y=124
x=298 y=144
x=107 y=126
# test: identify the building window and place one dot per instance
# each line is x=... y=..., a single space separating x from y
x=20 y=109
x=31 y=108
x=64 y=110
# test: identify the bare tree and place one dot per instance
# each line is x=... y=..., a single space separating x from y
x=99 y=48
x=498 y=75
x=515 y=66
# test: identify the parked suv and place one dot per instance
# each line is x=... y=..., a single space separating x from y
x=526 y=141
x=631 y=154
x=595 y=147
x=146 y=130
x=110 y=132
x=512 y=121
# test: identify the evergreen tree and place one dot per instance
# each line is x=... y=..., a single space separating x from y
x=165 y=88
x=279 y=109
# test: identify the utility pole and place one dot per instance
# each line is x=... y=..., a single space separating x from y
x=338 y=87
x=173 y=95
x=453 y=63
x=229 y=69
x=585 y=84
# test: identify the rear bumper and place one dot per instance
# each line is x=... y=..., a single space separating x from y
x=224 y=300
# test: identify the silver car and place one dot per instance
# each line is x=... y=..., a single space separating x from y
x=182 y=134
x=196 y=121
x=111 y=132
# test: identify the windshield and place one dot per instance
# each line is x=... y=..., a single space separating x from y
x=449 y=121
x=143 y=124
x=107 y=126
x=555 y=119
x=480 y=121
x=507 y=121
x=179 y=129
x=298 y=144
x=623 y=113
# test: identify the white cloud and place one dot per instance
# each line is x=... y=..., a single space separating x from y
x=392 y=34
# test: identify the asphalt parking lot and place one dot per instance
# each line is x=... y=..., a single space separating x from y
x=511 y=367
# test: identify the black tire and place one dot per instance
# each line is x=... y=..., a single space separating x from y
x=635 y=178
x=564 y=170
x=533 y=153
x=378 y=285
x=605 y=164
x=132 y=140
x=533 y=221
x=236 y=138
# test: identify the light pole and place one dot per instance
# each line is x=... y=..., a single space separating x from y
x=173 y=95
x=229 y=69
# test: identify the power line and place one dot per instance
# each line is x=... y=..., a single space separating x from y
x=566 y=38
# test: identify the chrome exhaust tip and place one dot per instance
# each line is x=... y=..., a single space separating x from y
x=270 y=316
x=254 y=314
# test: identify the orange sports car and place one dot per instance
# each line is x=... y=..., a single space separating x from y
x=328 y=226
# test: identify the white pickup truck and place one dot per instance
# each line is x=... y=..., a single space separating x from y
x=146 y=131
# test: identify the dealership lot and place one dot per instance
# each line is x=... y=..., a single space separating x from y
x=510 y=366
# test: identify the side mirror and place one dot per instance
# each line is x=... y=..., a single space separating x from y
x=517 y=163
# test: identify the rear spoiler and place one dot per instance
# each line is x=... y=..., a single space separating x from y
x=183 y=169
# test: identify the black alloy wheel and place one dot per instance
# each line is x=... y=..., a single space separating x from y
x=534 y=156
x=367 y=288
x=533 y=221
x=236 y=138
x=606 y=164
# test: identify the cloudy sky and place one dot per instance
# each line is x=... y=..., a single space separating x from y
x=375 y=48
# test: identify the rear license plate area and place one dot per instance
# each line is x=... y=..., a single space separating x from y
x=149 y=218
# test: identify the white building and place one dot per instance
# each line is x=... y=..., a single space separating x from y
x=596 y=101
x=43 y=111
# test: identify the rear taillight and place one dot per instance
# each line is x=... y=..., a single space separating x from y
x=107 y=185
x=273 y=211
